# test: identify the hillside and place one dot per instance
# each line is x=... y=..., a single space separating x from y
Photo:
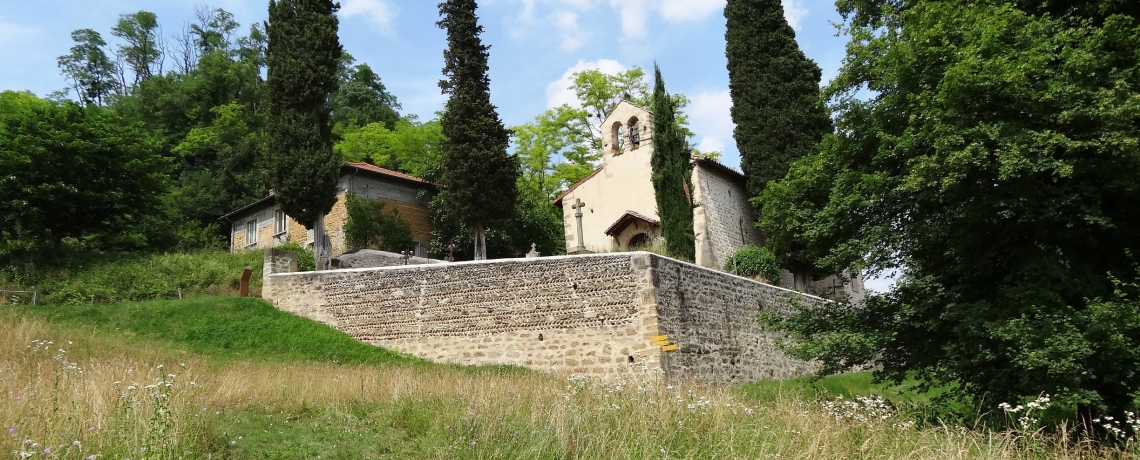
x=234 y=378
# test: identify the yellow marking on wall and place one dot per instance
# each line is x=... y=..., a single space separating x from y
x=672 y=347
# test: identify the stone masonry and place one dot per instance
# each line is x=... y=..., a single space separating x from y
x=591 y=314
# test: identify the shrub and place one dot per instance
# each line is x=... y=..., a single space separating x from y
x=87 y=277
x=305 y=260
x=754 y=261
x=369 y=227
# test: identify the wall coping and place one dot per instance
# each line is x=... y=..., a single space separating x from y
x=630 y=254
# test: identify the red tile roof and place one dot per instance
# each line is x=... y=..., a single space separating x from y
x=558 y=201
x=386 y=172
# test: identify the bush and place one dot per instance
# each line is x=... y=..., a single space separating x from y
x=369 y=227
x=305 y=260
x=754 y=261
x=87 y=277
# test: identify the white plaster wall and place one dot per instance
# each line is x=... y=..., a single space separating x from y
x=622 y=185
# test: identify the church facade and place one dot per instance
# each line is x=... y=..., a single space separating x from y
x=615 y=209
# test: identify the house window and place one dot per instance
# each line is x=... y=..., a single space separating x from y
x=251 y=233
x=279 y=222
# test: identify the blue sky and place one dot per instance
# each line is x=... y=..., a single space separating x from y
x=535 y=46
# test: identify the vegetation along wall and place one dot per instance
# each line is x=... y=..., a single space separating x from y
x=591 y=314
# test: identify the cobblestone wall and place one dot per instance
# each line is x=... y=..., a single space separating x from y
x=590 y=314
x=712 y=317
x=724 y=220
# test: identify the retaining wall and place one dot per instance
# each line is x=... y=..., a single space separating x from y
x=589 y=314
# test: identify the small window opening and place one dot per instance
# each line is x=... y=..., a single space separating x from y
x=279 y=222
x=618 y=132
x=631 y=359
x=251 y=233
x=539 y=337
x=634 y=133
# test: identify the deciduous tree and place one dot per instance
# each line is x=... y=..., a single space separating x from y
x=995 y=160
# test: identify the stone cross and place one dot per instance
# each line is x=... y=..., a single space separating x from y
x=451 y=252
x=578 y=205
x=533 y=252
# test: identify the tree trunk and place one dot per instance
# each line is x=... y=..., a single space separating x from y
x=322 y=247
x=480 y=243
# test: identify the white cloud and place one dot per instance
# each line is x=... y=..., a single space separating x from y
x=558 y=92
x=794 y=12
x=560 y=16
x=689 y=10
x=633 y=14
x=710 y=118
x=573 y=37
x=378 y=11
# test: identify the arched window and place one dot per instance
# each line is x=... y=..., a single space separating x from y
x=634 y=133
x=619 y=137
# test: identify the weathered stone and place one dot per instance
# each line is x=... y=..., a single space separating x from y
x=534 y=312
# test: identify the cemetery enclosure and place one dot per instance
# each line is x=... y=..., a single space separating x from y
x=589 y=314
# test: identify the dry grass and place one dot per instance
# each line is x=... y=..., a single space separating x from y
x=55 y=399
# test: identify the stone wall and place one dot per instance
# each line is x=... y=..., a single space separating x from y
x=592 y=314
x=712 y=317
x=723 y=220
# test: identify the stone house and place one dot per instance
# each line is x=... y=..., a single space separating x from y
x=262 y=224
x=618 y=208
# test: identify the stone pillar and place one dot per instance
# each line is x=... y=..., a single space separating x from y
x=276 y=261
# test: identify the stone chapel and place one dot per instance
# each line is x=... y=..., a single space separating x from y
x=618 y=208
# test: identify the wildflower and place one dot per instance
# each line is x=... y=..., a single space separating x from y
x=89 y=457
x=12 y=430
x=75 y=443
x=47 y=450
x=159 y=367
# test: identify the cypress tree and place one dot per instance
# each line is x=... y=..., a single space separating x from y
x=303 y=56
x=672 y=174
x=776 y=102
x=478 y=176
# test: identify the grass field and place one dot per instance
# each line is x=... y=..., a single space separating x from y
x=234 y=378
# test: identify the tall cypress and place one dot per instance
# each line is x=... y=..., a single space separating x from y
x=478 y=176
x=672 y=174
x=303 y=56
x=776 y=103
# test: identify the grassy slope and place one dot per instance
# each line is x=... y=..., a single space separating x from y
x=225 y=328
x=270 y=379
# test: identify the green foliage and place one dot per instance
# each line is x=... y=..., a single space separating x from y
x=671 y=176
x=775 y=93
x=754 y=261
x=361 y=98
x=230 y=328
x=475 y=159
x=536 y=221
x=80 y=277
x=412 y=147
x=74 y=172
x=995 y=162
x=143 y=48
x=87 y=66
x=370 y=227
x=303 y=58
x=305 y=260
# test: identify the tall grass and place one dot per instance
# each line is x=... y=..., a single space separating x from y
x=264 y=409
x=80 y=277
